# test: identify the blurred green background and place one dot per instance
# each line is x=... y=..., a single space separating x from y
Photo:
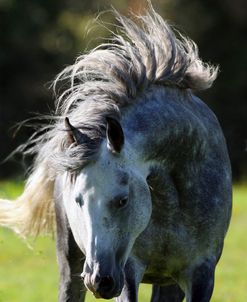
x=38 y=38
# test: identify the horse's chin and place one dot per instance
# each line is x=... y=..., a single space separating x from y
x=106 y=296
x=97 y=295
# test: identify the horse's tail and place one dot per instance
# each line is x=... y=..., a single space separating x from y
x=33 y=211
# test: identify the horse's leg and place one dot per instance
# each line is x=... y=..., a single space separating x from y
x=203 y=282
x=133 y=276
x=70 y=260
x=200 y=284
x=169 y=293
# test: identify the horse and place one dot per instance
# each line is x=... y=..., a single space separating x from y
x=132 y=171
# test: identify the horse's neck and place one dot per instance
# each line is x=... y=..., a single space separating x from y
x=158 y=126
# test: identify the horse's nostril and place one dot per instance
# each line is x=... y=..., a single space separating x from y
x=97 y=279
x=83 y=276
x=106 y=283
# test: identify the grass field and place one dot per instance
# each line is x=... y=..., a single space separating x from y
x=28 y=275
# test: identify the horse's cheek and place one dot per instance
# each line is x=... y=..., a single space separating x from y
x=142 y=207
x=76 y=223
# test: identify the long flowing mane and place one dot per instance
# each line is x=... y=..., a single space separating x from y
x=144 y=52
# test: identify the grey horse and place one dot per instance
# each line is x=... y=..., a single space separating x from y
x=135 y=168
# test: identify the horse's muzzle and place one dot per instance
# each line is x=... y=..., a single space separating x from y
x=104 y=285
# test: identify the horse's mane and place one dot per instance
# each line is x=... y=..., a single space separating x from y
x=144 y=52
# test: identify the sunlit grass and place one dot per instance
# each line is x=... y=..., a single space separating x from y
x=28 y=275
x=231 y=274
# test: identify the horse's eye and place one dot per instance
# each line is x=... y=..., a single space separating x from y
x=122 y=202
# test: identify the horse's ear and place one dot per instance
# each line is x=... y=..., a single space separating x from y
x=114 y=135
x=74 y=135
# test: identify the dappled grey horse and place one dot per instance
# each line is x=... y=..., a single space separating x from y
x=136 y=169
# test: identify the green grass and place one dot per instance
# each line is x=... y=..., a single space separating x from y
x=28 y=275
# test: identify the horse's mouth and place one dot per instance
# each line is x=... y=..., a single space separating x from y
x=97 y=295
x=106 y=295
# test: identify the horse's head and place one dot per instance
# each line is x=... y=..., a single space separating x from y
x=108 y=206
